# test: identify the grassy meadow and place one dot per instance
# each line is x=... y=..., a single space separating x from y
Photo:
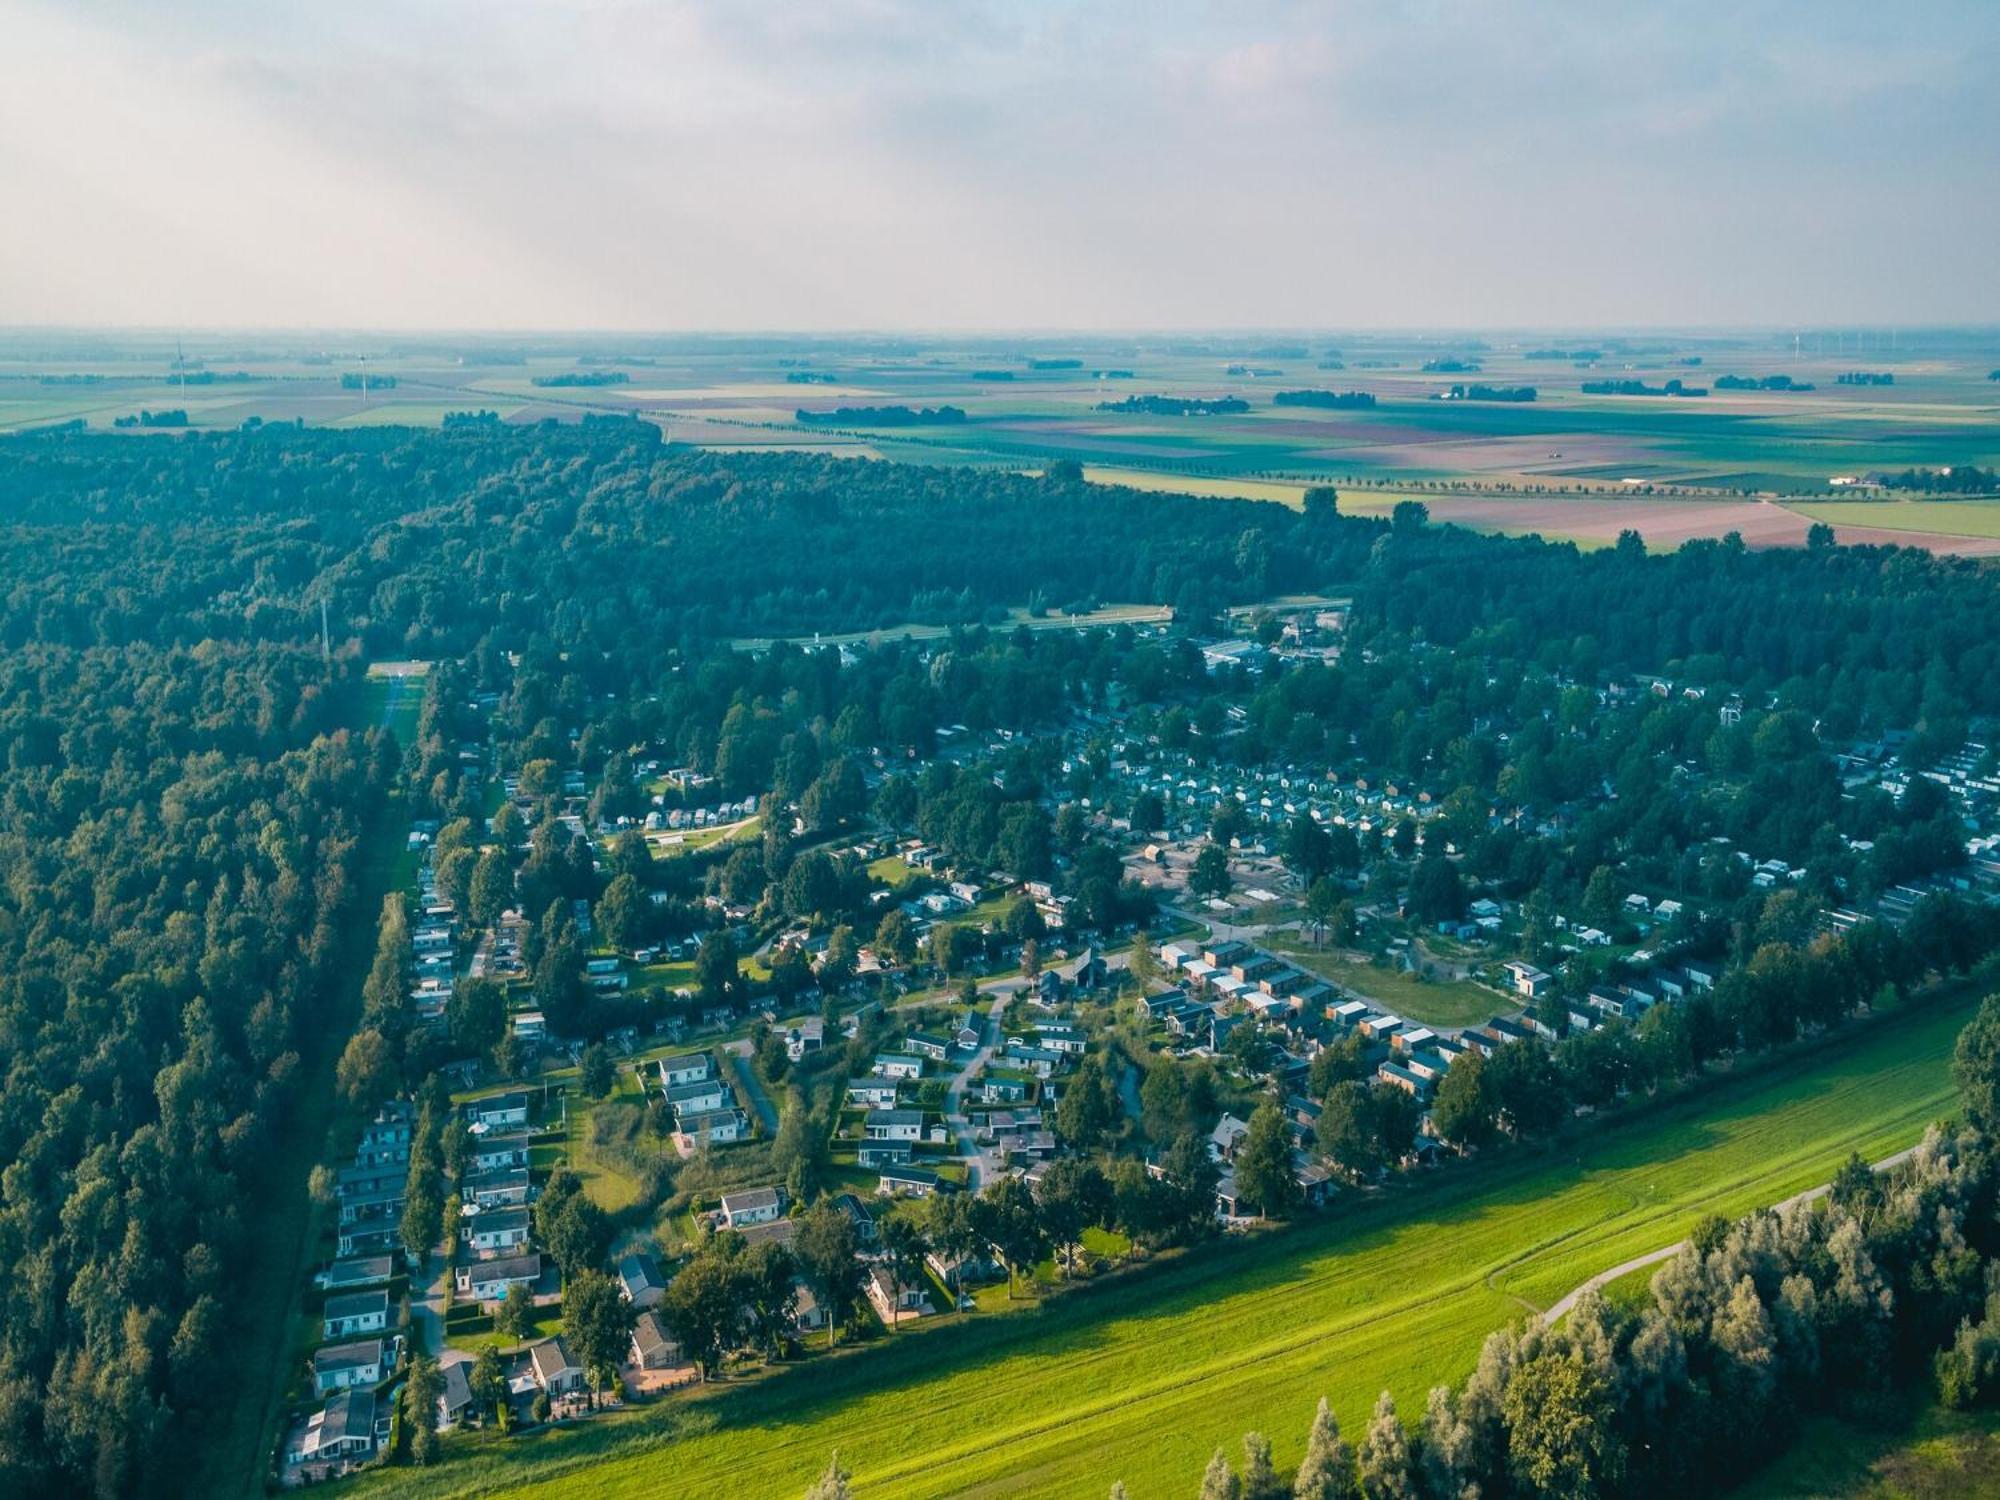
x=1139 y=1379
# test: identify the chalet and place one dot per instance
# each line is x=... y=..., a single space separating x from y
x=1403 y=1078
x=720 y=1127
x=529 y=1025
x=1222 y=955
x=1349 y=1012
x=1176 y=956
x=1226 y=1137
x=493 y=1153
x=807 y=1315
x=339 y=1367
x=500 y=1112
x=1157 y=1006
x=653 y=1347
x=914 y=1181
x=894 y=1124
x=693 y=1067
x=555 y=1372
x=936 y=1048
x=641 y=1281
x=341 y=1430
x=856 y=1213
x=752 y=1206
x=354 y=1312
x=386 y=1138
x=1412 y=1038
x=456 y=1398
x=1525 y=979
x=1380 y=1028
x=1427 y=1065
x=897 y=1065
x=1504 y=1030
x=506 y=1188
x=995 y=1088
x=871 y=1093
x=370 y=1238
x=489 y=1280
x=697 y=1098
x=497 y=1231
x=1049 y=988
x=890 y=1297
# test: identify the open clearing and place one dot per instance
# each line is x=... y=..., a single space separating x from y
x=1453 y=1003
x=1142 y=1379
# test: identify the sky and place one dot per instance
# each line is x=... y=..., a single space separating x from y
x=1039 y=164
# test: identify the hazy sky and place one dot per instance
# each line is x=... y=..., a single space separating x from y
x=809 y=164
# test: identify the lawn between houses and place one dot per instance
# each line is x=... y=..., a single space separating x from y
x=1440 y=1002
x=1142 y=1377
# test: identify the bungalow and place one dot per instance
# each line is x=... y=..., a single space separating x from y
x=653 y=1347
x=351 y=1275
x=500 y=1112
x=1504 y=1030
x=894 y=1124
x=1176 y=956
x=490 y=1280
x=1040 y=1061
x=641 y=1281
x=1157 y=1006
x=1222 y=955
x=1668 y=910
x=386 y=1138
x=876 y=1154
x=1380 y=1028
x=338 y=1367
x=555 y=1372
x=752 y=1206
x=1065 y=1039
x=897 y=1065
x=1525 y=979
x=354 y=1312
x=697 y=1098
x=373 y=1237
x=497 y=1231
x=924 y=1044
x=1484 y=907
x=806 y=1037
x=492 y=1153
x=343 y=1429
x=1701 y=974
x=915 y=1181
x=529 y=1025
x=693 y=1067
x=506 y=1188
x=871 y=1093
x=1411 y=1038
x=720 y=1127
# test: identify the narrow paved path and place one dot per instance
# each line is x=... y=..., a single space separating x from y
x=1653 y=1257
x=427 y=1311
x=767 y=1112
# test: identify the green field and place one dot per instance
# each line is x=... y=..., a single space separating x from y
x=1980 y=518
x=1141 y=1379
x=1911 y=1450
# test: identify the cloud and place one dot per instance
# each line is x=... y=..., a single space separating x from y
x=902 y=163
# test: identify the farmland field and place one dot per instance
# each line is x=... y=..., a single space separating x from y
x=1141 y=1379
x=1966 y=518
